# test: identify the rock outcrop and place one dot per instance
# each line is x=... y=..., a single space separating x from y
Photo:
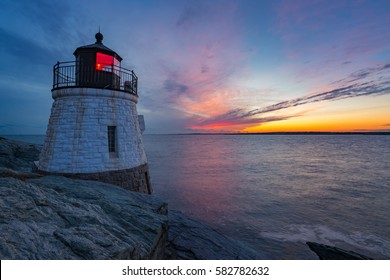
x=192 y=240
x=17 y=155
x=53 y=217
x=60 y=218
x=325 y=252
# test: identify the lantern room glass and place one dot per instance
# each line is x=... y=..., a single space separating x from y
x=105 y=62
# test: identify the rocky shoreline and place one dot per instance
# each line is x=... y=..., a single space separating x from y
x=54 y=217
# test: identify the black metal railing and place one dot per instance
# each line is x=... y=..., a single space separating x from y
x=76 y=74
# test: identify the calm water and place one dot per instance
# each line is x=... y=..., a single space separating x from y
x=275 y=192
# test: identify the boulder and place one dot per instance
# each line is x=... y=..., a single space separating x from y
x=325 y=252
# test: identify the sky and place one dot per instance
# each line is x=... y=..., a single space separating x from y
x=210 y=65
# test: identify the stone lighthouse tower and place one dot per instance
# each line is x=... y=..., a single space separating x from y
x=93 y=131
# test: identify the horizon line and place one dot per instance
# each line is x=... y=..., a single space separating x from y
x=252 y=133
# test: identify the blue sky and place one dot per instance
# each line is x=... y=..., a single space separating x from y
x=210 y=66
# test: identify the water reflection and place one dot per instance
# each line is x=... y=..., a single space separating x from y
x=259 y=188
x=200 y=178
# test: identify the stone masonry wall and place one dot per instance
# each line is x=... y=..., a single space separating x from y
x=77 y=139
x=134 y=179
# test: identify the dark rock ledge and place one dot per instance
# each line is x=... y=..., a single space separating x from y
x=325 y=252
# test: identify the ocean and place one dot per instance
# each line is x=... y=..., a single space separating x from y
x=274 y=193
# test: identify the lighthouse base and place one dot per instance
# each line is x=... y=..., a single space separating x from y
x=134 y=179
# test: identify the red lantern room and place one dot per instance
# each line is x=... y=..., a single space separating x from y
x=96 y=66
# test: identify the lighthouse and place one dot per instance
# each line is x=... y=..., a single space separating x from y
x=94 y=129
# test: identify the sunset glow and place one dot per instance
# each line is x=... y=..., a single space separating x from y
x=212 y=66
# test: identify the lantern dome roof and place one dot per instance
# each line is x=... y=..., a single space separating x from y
x=97 y=47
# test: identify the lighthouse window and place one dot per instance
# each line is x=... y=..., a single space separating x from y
x=105 y=62
x=112 y=149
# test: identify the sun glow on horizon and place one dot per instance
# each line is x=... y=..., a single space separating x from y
x=354 y=116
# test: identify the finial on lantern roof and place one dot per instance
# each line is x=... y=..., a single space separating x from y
x=99 y=37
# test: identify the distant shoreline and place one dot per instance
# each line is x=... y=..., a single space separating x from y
x=237 y=133
x=282 y=133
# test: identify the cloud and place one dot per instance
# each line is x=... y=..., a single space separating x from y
x=363 y=74
x=174 y=87
x=48 y=23
x=360 y=87
x=205 y=69
x=24 y=49
x=188 y=16
x=236 y=117
x=192 y=57
x=319 y=31
x=196 y=60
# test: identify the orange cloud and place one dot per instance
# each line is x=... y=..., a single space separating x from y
x=359 y=84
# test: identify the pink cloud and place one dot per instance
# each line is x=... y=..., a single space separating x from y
x=201 y=60
x=364 y=82
x=339 y=30
x=202 y=56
